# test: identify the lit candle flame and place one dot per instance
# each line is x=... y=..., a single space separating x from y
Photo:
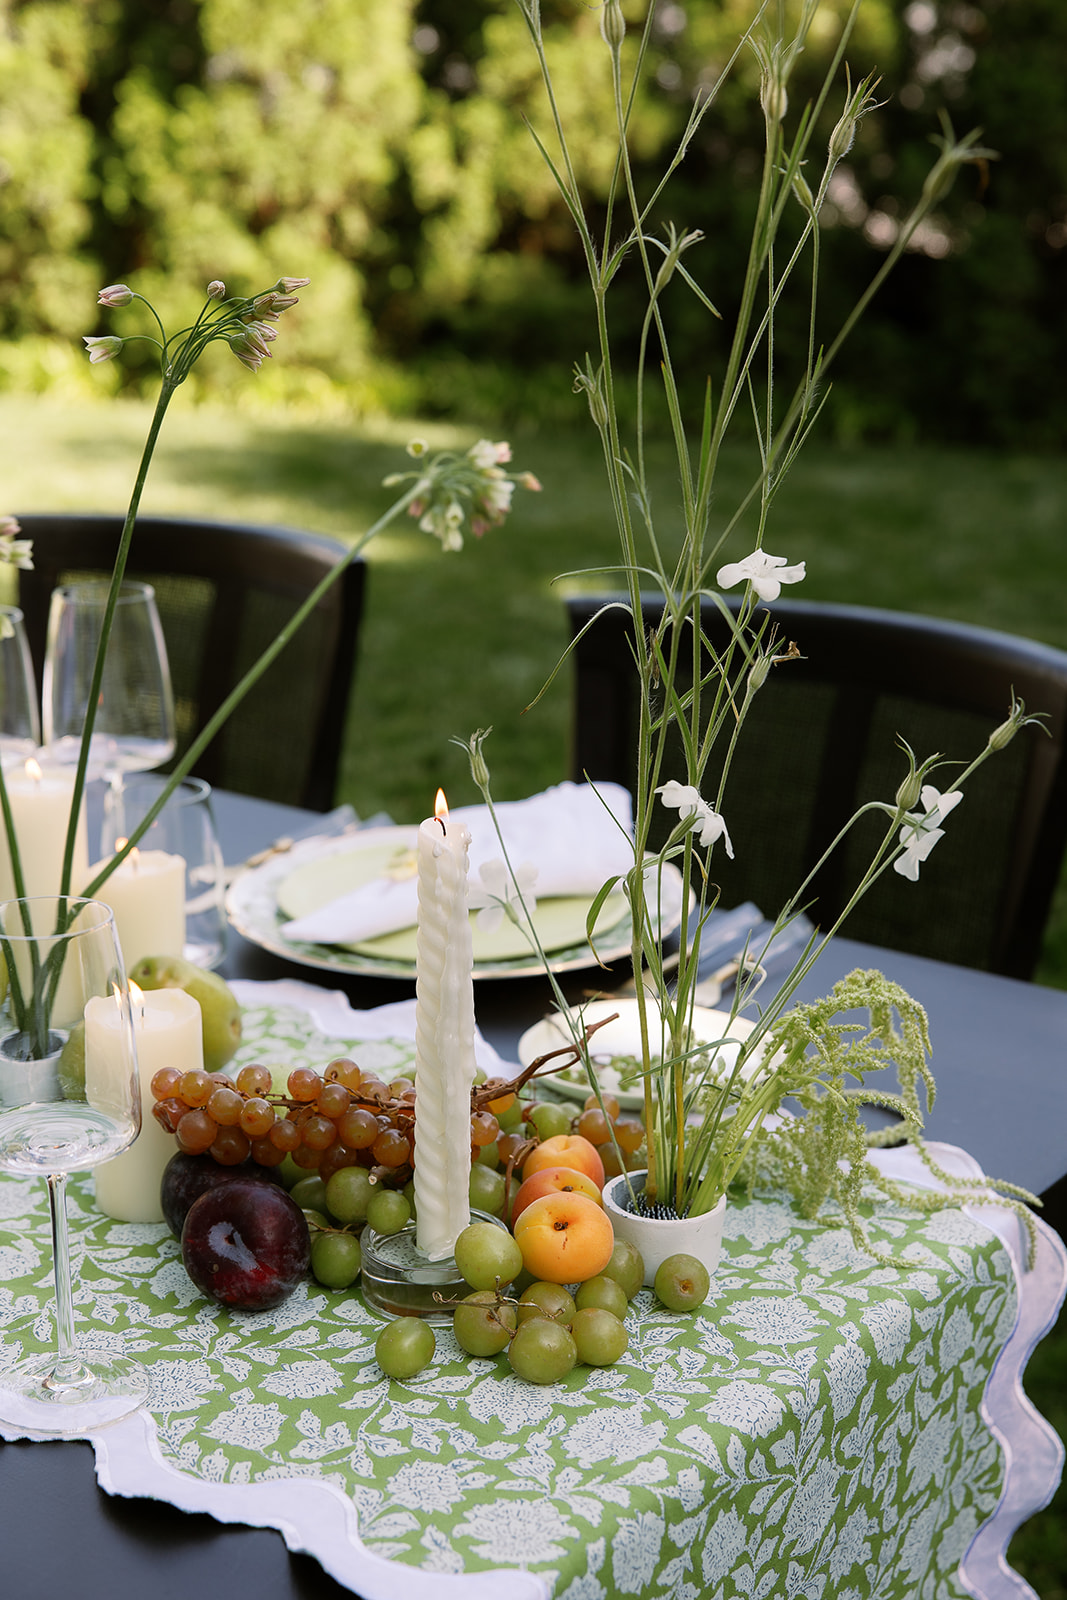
x=33 y=770
x=134 y=856
x=136 y=996
x=440 y=807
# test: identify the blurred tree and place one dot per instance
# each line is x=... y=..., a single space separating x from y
x=382 y=147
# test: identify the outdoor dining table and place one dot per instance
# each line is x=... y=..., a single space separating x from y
x=998 y=1052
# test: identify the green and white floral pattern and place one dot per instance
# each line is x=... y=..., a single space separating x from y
x=814 y=1431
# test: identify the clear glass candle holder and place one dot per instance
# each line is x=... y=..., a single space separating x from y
x=399 y=1281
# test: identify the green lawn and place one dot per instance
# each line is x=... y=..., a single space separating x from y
x=453 y=643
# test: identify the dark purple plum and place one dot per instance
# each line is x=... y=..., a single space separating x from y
x=186 y=1178
x=246 y=1244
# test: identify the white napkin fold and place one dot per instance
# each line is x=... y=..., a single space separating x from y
x=577 y=835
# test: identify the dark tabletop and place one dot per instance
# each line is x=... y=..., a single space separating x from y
x=1000 y=1049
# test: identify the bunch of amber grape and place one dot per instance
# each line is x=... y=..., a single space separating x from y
x=341 y=1117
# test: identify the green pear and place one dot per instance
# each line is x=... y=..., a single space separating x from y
x=218 y=1004
x=72 y=1064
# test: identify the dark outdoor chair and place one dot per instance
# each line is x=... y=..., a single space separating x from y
x=821 y=739
x=223 y=593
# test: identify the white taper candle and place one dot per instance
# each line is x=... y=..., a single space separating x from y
x=444 y=1037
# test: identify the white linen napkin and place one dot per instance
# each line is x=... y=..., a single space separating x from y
x=577 y=835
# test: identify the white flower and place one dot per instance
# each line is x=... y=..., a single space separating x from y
x=920 y=832
x=486 y=454
x=101 y=349
x=498 y=896
x=765 y=573
x=685 y=799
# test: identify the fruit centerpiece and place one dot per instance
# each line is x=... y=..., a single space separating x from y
x=280 y=1173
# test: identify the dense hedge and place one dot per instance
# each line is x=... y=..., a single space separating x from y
x=380 y=147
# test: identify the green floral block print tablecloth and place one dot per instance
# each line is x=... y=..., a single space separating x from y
x=813 y=1432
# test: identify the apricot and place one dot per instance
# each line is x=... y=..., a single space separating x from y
x=553 y=1180
x=566 y=1150
x=564 y=1237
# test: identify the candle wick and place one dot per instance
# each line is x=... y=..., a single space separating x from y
x=444 y=830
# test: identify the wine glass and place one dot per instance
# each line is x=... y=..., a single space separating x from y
x=20 y=722
x=135 y=725
x=69 y=1099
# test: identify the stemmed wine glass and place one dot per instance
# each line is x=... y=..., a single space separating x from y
x=20 y=722
x=69 y=1099
x=135 y=726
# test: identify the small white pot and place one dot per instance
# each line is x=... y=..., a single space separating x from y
x=24 y=1081
x=655 y=1239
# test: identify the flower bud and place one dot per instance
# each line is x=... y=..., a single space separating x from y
x=479 y=769
x=116 y=294
x=287 y=285
x=773 y=97
x=612 y=24
x=216 y=290
x=803 y=192
x=244 y=350
x=843 y=135
x=907 y=796
x=758 y=672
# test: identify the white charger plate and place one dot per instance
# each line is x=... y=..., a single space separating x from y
x=623 y=1038
x=262 y=898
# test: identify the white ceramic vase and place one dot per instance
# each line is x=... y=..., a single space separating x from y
x=657 y=1239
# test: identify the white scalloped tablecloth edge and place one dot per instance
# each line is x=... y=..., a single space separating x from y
x=317 y=1518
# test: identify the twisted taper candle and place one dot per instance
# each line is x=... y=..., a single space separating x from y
x=444 y=1037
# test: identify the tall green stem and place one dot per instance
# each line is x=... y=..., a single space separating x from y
x=166 y=392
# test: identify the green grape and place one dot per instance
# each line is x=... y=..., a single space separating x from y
x=488 y=1156
x=542 y=1351
x=599 y=1337
x=487 y=1190
x=347 y=1193
x=682 y=1282
x=511 y=1119
x=626 y=1267
x=335 y=1259
x=317 y=1221
x=387 y=1211
x=550 y=1300
x=604 y=1294
x=549 y=1118
x=290 y=1172
x=310 y=1193
x=485 y=1253
x=482 y=1325
x=404 y=1347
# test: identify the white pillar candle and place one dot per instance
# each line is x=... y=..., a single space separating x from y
x=444 y=1037
x=168 y=1032
x=147 y=896
x=40 y=809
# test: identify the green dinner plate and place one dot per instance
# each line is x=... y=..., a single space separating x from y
x=560 y=921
